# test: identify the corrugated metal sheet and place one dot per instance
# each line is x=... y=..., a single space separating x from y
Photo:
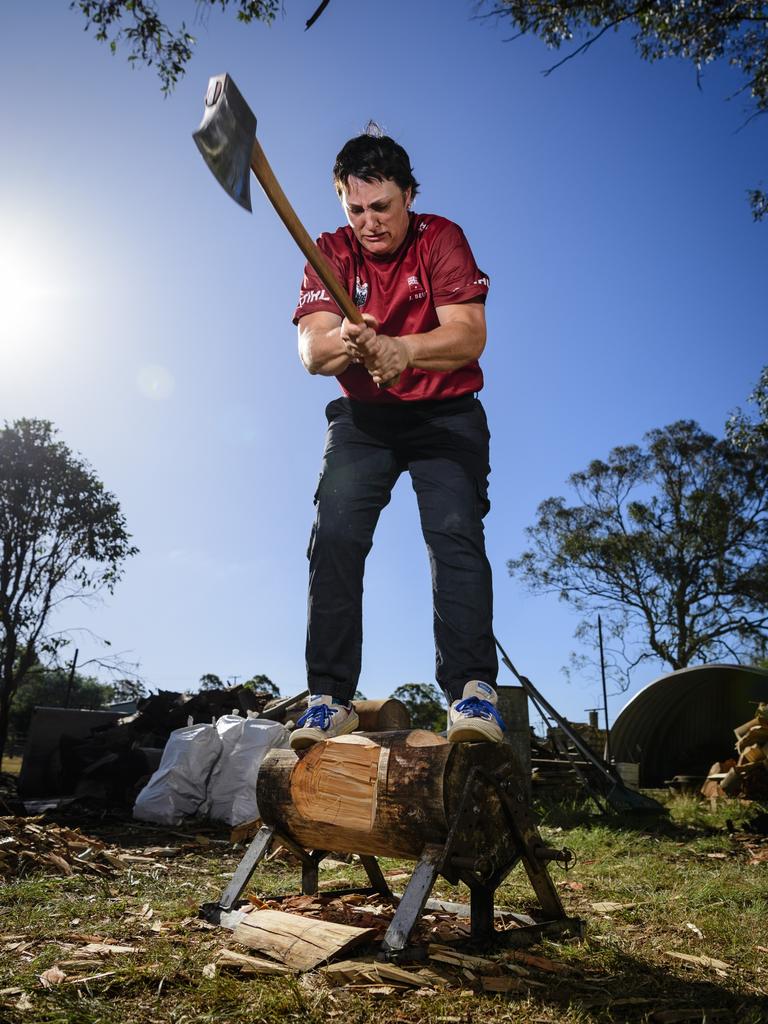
x=683 y=722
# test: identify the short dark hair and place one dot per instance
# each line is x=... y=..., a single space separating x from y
x=374 y=156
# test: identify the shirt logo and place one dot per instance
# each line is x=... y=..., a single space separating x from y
x=361 y=293
x=319 y=295
x=485 y=281
x=416 y=289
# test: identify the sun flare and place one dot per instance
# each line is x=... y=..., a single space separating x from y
x=35 y=287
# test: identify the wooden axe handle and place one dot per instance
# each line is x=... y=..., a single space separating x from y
x=287 y=214
x=316 y=258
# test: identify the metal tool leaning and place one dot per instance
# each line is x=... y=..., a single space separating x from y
x=405 y=350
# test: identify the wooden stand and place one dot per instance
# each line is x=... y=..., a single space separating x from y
x=458 y=810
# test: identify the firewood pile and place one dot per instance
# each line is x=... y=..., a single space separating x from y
x=27 y=846
x=110 y=766
x=746 y=774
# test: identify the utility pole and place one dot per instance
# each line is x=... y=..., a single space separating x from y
x=605 y=692
x=71 y=679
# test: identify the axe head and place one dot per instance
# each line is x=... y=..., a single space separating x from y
x=225 y=138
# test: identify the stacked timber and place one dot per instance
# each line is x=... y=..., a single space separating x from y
x=747 y=774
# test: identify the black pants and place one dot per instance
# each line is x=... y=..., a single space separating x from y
x=444 y=447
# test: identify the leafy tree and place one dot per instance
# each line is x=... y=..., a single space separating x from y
x=669 y=541
x=62 y=536
x=690 y=30
x=263 y=684
x=741 y=431
x=127 y=689
x=425 y=705
x=209 y=681
x=49 y=687
x=138 y=25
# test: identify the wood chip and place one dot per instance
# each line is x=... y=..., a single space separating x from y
x=249 y=964
x=377 y=991
x=447 y=955
x=53 y=976
x=242 y=833
x=106 y=947
x=542 y=963
x=699 y=961
x=372 y=971
x=27 y=847
x=91 y=977
x=608 y=907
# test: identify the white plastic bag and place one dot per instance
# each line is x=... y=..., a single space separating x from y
x=218 y=804
x=232 y=793
x=178 y=787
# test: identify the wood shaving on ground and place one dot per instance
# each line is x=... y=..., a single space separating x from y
x=608 y=907
x=699 y=961
x=374 y=912
x=29 y=847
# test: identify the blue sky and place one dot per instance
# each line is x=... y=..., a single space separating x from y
x=150 y=318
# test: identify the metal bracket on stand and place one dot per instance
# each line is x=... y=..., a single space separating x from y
x=482 y=875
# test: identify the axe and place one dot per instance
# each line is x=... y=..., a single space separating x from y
x=227 y=140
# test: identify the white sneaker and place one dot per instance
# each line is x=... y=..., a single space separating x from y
x=323 y=720
x=474 y=718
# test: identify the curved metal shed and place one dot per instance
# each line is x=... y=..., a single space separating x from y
x=683 y=722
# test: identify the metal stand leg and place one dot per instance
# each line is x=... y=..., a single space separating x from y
x=309 y=865
x=411 y=905
x=376 y=878
x=482 y=912
x=243 y=872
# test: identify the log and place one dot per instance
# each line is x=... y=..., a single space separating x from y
x=752 y=754
x=757 y=734
x=382 y=715
x=742 y=730
x=300 y=943
x=383 y=794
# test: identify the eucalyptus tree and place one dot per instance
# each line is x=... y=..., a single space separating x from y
x=62 y=538
x=668 y=541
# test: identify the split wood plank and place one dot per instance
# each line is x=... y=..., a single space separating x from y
x=298 y=942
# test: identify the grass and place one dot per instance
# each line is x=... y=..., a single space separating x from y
x=684 y=885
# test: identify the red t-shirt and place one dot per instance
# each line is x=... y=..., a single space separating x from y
x=433 y=267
